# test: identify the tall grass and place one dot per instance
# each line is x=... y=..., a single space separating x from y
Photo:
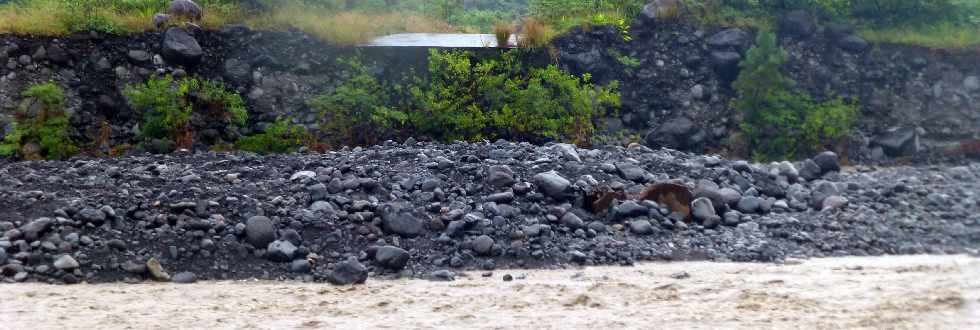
x=502 y=31
x=62 y=17
x=36 y=17
x=947 y=36
x=535 y=34
x=348 y=27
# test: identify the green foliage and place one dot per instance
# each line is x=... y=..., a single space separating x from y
x=465 y=99
x=357 y=111
x=49 y=94
x=46 y=125
x=619 y=22
x=168 y=105
x=565 y=14
x=778 y=122
x=11 y=142
x=279 y=137
x=216 y=96
x=826 y=123
x=629 y=63
x=166 y=109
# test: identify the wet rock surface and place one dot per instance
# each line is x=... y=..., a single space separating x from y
x=396 y=213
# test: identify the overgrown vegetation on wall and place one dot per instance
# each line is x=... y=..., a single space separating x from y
x=359 y=111
x=465 y=98
x=41 y=129
x=167 y=107
x=933 y=23
x=778 y=121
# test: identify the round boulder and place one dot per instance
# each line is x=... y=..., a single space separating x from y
x=180 y=47
x=260 y=231
x=187 y=9
x=391 y=257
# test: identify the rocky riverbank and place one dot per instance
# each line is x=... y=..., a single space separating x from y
x=429 y=210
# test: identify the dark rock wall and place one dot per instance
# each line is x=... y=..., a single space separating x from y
x=276 y=72
x=680 y=94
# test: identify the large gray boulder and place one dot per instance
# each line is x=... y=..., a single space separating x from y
x=729 y=39
x=186 y=9
x=551 y=184
x=260 y=231
x=797 y=23
x=34 y=230
x=180 y=47
x=348 y=272
x=660 y=10
x=675 y=134
x=725 y=64
x=281 y=251
x=400 y=222
x=853 y=44
x=898 y=142
x=391 y=257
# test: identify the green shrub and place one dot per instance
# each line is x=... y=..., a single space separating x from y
x=778 y=122
x=48 y=127
x=357 y=112
x=279 y=137
x=168 y=105
x=465 y=99
x=222 y=102
x=166 y=108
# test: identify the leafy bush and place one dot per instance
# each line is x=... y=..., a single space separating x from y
x=46 y=125
x=778 y=122
x=279 y=137
x=168 y=105
x=494 y=98
x=357 y=112
x=464 y=98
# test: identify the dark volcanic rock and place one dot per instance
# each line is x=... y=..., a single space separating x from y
x=281 y=251
x=726 y=64
x=828 y=161
x=401 y=222
x=853 y=44
x=552 y=184
x=180 y=47
x=35 y=229
x=501 y=176
x=734 y=38
x=220 y=225
x=391 y=257
x=797 y=23
x=260 y=231
x=898 y=143
x=348 y=272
